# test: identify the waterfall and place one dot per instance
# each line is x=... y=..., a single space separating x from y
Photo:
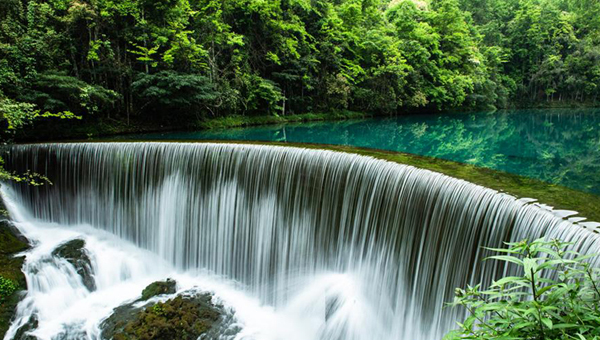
x=347 y=246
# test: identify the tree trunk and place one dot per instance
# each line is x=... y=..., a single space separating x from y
x=283 y=106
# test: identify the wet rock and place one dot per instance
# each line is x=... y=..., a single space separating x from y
x=186 y=316
x=74 y=252
x=127 y=313
x=72 y=332
x=11 y=239
x=23 y=332
x=159 y=288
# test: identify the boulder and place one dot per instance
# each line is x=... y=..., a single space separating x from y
x=187 y=316
x=159 y=288
x=183 y=317
x=74 y=252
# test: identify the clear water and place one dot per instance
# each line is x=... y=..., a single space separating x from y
x=557 y=146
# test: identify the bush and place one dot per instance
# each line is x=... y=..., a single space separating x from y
x=556 y=296
x=7 y=288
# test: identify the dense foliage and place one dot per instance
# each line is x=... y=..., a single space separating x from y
x=556 y=295
x=176 y=60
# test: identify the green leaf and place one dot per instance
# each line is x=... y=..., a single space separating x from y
x=547 y=322
x=507 y=280
x=506 y=258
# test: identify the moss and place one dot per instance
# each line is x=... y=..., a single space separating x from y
x=179 y=318
x=74 y=252
x=7 y=288
x=11 y=243
x=159 y=288
x=9 y=304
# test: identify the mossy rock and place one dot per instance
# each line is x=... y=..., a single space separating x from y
x=185 y=317
x=11 y=243
x=11 y=240
x=122 y=315
x=159 y=288
x=74 y=252
x=179 y=318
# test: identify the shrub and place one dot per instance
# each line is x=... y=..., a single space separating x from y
x=7 y=288
x=556 y=296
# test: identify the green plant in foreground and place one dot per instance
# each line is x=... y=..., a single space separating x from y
x=7 y=288
x=556 y=296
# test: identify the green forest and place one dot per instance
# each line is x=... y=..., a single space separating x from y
x=177 y=61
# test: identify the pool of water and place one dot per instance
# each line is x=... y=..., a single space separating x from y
x=557 y=146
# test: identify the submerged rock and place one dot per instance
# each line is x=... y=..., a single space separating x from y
x=158 y=288
x=74 y=252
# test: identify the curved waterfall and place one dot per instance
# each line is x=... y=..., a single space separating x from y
x=290 y=226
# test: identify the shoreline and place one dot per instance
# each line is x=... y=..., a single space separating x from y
x=51 y=130
x=71 y=129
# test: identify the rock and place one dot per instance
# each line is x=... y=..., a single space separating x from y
x=22 y=332
x=74 y=252
x=159 y=288
x=11 y=243
x=73 y=331
x=11 y=239
x=179 y=318
x=186 y=316
x=116 y=322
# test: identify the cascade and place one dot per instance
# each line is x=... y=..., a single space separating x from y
x=302 y=244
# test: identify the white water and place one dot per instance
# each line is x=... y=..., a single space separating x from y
x=302 y=244
x=67 y=310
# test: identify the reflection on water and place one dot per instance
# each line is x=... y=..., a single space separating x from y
x=560 y=146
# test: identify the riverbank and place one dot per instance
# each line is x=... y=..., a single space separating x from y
x=54 y=129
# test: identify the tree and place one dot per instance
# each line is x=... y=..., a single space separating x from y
x=178 y=94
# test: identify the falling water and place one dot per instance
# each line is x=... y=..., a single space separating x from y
x=302 y=244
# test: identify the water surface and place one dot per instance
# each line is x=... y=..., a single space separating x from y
x=559 y=146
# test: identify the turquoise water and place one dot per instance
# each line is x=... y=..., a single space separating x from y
x=556 y=146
